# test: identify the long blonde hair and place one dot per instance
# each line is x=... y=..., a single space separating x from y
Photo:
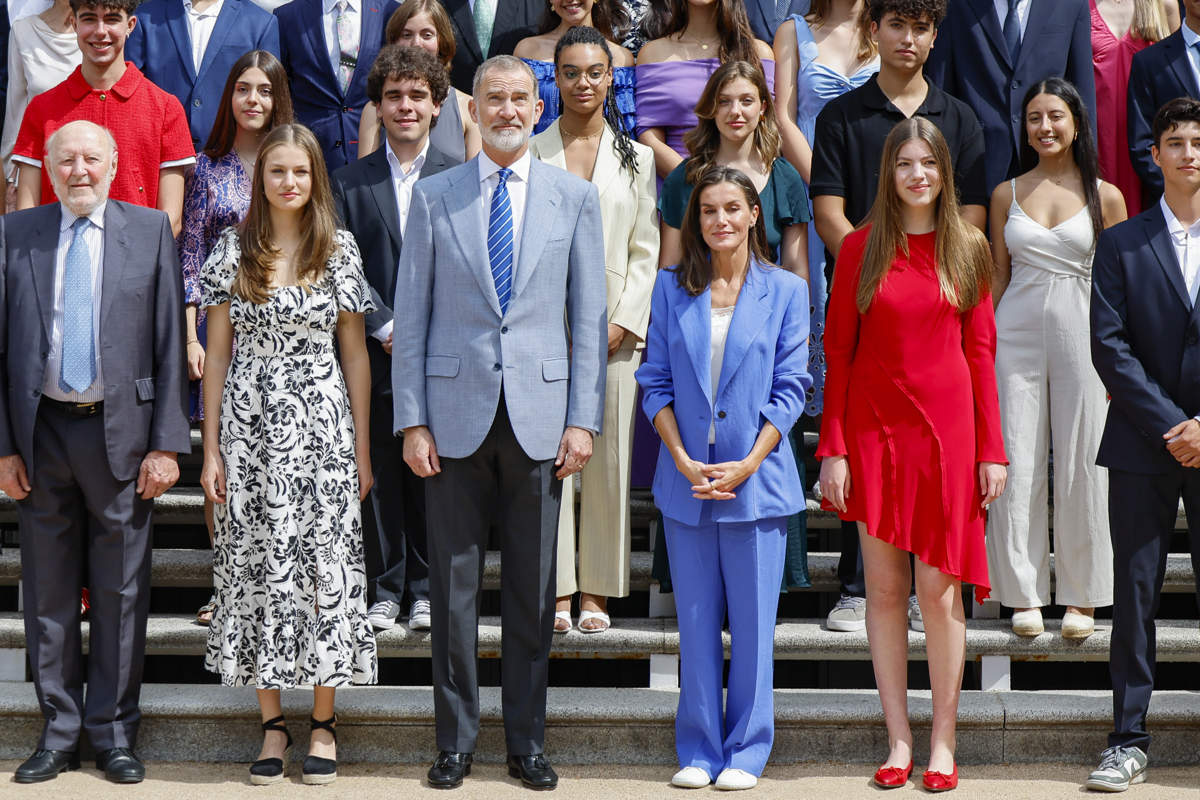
x=1149 y=21
x=962 y=260
x=318 y=223
x=819 y=10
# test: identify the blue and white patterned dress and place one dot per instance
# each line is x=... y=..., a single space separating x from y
x=624 y=83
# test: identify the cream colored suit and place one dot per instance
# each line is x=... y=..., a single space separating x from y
x=627 y=208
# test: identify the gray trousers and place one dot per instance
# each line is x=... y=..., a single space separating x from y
x=82 y=527
x=496 y=486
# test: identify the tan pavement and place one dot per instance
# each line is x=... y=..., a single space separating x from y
x=490 y=782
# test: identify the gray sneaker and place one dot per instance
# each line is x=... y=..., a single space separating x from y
x=382 y=615
x=850 y=614
x=418 y=616
x=915 y=620
x=1120 y=768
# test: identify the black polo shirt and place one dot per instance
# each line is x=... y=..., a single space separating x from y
x=848 y=145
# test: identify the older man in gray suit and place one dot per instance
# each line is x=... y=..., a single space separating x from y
x=499 y=352
x=92 y=413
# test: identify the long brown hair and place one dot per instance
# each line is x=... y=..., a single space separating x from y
x=437 y=15
x=318 y=223
x=733 y=26
x=694 y=271
x=704 y=140
x=819 y=10
x=608 y=16
x=963 y=263
x=224 y=129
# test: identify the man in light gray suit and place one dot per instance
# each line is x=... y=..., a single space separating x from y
x=498 y=370
x=92 y=413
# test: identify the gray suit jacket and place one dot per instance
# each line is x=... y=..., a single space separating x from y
x=452 y=350
x=141 y=332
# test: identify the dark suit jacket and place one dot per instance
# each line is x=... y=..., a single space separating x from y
x=366 y=204
x=970 y=61
x=141 y=332
x=162 y=49
x=765 y=15
x=1145 y=343
x=318 y=101
x=1159 y=73
x=515 y=19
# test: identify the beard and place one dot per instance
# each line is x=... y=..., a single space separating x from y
x=505 y=141
x=82 y=206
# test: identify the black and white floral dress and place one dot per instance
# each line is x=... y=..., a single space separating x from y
x=288 y=549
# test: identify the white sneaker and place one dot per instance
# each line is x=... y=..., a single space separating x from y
x=382 y=615
x=1028 y=623
x=1120 y=767
x=735 y=779
x=915 y=620
x=850 y=614
x=418 y=616
x=691 y=778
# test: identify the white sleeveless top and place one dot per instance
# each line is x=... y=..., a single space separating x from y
x=1065 y=250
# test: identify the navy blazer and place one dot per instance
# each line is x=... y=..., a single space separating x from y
x=970 y=61
x=162 y=49
x=318 y=101
x=766 y=15
x=1145 y=343
x=764 y=375
x=1159 y=73
x=515 y=19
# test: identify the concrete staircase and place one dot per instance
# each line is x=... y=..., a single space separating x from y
x=607 y=720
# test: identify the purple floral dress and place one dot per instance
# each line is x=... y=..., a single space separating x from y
x=217 y=197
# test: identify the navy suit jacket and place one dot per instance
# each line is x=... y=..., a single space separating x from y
x=1145 y=343
x=766 y=15
x=318 y=101
x=1159 y=73
x=970 y=61
x=162 y=49
x=515 y=19
x=764 y=375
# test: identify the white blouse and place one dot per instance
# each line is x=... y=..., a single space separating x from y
x=38 y=60
x=721 y=317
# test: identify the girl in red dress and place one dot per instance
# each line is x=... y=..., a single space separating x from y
x=910 y=445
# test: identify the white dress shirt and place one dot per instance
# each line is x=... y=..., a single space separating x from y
x=200 y=28
x=402 y=184
x=329 y=21
x=94 y=237
x=1022 y=13
x=518 y=184
x=1187 y=247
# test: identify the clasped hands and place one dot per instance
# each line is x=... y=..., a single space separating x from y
x=1183 y=442
x=716 y=481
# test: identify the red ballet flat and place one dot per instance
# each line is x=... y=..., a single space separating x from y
x=892 y=777
x=940 y=781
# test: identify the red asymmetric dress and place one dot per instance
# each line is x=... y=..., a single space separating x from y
x=910 y=399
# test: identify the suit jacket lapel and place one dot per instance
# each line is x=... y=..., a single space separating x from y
x=755 y=9
x=608 y=165
x=749 y=317
x=550 y=147
x=384 y=192
x=114 y=260
x=227 y=20
x=986 y=11
x=465 y=22
x=314 y=36
x=1175 y=54
x=42 y=254
x=541 y=204
x=695 y=324
x=371 y=33
x=1164 y=251
x=177 y=25
x=435 y=162
x=464 y=204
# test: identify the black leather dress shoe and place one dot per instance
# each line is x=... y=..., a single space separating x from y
x=448 y=769
x=534 y=771
x=45 y=765
x=120 y=765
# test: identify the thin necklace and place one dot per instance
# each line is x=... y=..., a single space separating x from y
x=583 y=137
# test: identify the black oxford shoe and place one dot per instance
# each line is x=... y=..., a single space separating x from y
x=45 y=765
x=120 y=765
x=448 y=769
x=534 y=771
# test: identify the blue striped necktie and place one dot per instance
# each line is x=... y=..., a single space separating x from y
x=78 y=343
x=500 y=240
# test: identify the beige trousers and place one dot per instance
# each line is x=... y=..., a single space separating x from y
x=1050 y=399
x=603 y=540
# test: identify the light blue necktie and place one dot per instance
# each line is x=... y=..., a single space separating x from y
x=78 y=345
x=500 y=240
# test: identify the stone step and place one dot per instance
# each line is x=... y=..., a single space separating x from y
x=640 y=638
x=631 y=726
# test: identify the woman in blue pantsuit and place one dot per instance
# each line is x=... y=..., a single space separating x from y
x=724 y=380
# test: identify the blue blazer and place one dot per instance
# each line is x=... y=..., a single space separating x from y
x=318 y=101
x=764 y=376
x=162 y=49
x=767 y=15
x=1159 y=73
x=970 y=61
x=1145 y=343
